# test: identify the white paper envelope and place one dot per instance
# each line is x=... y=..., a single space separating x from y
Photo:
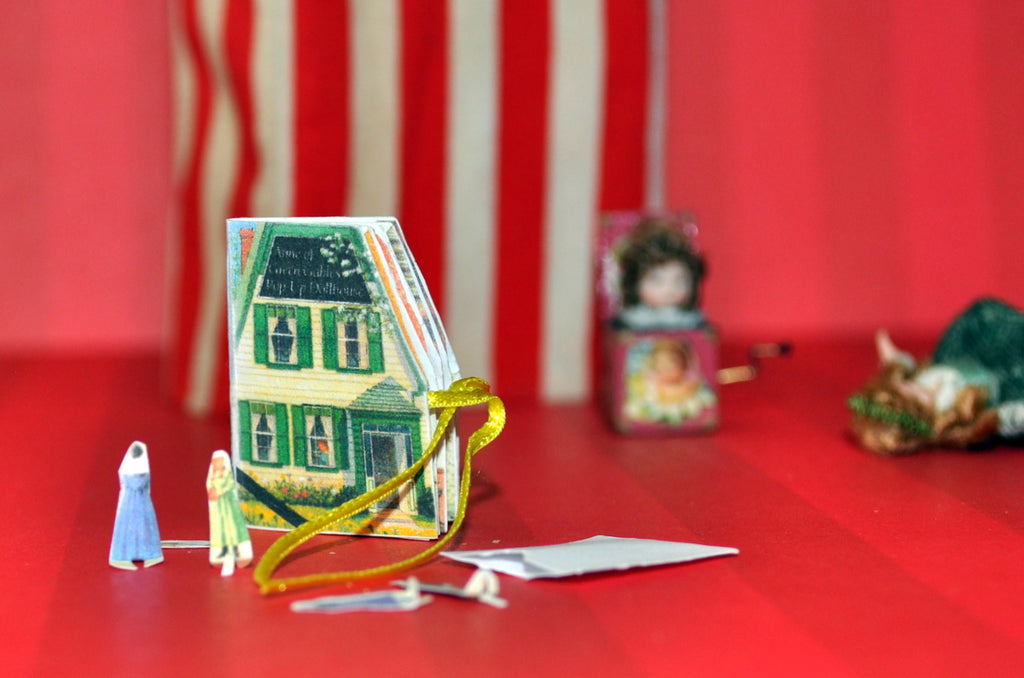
x=596 y=554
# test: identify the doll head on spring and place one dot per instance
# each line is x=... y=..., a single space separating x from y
x=891 y=415
x=660 y=268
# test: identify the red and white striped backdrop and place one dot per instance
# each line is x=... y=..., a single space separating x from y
x=495 y=131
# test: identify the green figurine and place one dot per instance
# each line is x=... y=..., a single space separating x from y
x=971 y=391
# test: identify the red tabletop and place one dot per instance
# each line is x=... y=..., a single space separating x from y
x=850 y=564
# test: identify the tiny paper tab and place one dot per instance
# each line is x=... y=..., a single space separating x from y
x=596 y=554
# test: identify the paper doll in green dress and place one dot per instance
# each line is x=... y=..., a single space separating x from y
x=230 y=545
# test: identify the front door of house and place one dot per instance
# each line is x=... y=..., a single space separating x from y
x=388 y=452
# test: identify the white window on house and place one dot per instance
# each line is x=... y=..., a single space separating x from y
x=264 y=432
x=320 y=436
x=354 y=344
x=352 y=339
x=283 y=328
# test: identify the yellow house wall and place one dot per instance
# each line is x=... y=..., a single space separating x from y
x=316 y=385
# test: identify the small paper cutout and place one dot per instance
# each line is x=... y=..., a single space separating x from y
x=136 y=535
x=596 y=554
x=230 y=545
x=483 y=586
x=404 y=600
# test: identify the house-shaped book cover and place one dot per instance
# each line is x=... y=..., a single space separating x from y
x=334 y=346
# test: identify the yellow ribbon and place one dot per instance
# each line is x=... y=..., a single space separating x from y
x=468 y=391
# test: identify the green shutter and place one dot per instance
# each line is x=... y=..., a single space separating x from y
x=283 y=446
x=358 y=452
x=340 y=439
x=305 y=338
x=260 y=334
x=299 y=434
x=424 y=499
x=374 y=339
x=244 y=430
x=330 y=324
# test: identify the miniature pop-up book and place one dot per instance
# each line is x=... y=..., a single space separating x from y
x=969 y=392
x=230 y=545
x=660 y=355
x=335 y=345
x=136 y=535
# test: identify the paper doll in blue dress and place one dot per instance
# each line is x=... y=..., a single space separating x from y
x=136 y=535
